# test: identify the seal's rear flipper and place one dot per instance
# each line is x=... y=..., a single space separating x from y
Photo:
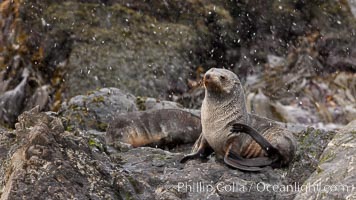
x=231 y=161
x=250 y=162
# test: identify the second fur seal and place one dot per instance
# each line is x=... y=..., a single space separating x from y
x=245 y=141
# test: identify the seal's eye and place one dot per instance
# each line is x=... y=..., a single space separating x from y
x=222 y=77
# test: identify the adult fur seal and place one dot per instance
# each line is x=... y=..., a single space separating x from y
x=243 y=140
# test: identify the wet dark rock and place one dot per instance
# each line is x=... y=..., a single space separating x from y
x=149 y=103
x=153 y=48
x=260 y=104
x=155 y=104
x=73 y=47
x=4 y=83
x=193 y=98
x=116 y=56
x=337 y=51
x=41 y=97
x=163 y=175
x=352 y=7
x=303 y=96
x=63 y=163
x=309 y=151
x=12 y=101
x=48 y=162
x=275 y=61
x=97 y=109
x=335 y=174
x=7 y=139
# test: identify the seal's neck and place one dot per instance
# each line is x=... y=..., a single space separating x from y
x=225 y=108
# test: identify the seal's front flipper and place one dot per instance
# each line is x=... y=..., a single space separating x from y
x=191 y=156
x=233 y=162
x=201 y=149
x=202 y=153
x=265 y=144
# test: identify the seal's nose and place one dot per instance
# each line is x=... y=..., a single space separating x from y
x=207 y=76
x=207 y=79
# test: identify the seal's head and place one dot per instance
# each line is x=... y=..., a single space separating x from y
x=221 y=81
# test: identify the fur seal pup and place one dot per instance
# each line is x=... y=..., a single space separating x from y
x=243 y=140
x=156 y=128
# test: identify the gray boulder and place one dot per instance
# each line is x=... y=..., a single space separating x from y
x=335 y=176
x=41 y=160
x=96 y=109
x=12 y=101
x=47 y=162
x=160 y=173
x=149 y=103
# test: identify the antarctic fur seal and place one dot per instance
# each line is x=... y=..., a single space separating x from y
x=243 y=140
x=156 y=128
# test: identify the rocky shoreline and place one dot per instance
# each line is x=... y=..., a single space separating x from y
x=69 y=68
x=58 y=158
